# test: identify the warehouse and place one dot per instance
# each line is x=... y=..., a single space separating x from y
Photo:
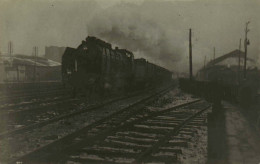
x=227 y=67
x=22 y=68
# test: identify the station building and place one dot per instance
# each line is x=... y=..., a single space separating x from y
x=227 y=68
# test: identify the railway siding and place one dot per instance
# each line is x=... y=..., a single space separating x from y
x=37 y=138
x=102 y=130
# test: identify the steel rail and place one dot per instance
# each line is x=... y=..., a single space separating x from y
x=65 y=116
x=167 y=137
x=63 y=143
x=108 y=131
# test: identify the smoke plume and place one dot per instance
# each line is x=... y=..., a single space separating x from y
x=135 y=28
x=158 y=30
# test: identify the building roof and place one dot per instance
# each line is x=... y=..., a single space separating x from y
x=231 y=59
x=27 y=60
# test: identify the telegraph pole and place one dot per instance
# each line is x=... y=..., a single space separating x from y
x=239 y=60
x=190 y=55
x=205 y=61
x=10 y=51
x=10 y=48
x=35 y=52
x=246 y=43
x=214 y=54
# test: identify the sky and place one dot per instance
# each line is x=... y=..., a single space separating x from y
x=156 y=30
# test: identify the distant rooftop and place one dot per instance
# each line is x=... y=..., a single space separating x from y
x=28 y=60
x=231 y=59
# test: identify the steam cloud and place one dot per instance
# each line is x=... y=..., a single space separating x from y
x=135 y=28
x=158 y=30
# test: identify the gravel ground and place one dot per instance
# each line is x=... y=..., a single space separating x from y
x=243 y=141
x=196 y=152
x=197 y=148
x=172 y=98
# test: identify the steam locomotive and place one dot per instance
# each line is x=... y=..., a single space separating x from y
x=94 y=67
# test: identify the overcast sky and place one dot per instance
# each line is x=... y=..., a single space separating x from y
x=154 y=29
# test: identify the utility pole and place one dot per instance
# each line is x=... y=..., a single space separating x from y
x=205 y=61
x=190 y=55
x=246 y=43
x=35 y=53
x=214 y=57
x=10 y=48
x=214 y=54
x=10 y=51
x=239 y=60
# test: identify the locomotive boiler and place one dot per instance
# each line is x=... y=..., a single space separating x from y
x=94 y=67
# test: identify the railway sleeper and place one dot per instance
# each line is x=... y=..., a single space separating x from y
x=143 y=139
x=112 y=148
x=180 y=119
x=190 y=130
x=138 y=134
x=123 y=146
x=175 y=119
x=186 y=133
x=186 y=139
x=160 y=123
x=96 y=159
x=107 y=153
x=177 y=114
x=192 y=126
x=174 y=143
x=151 y=131
x=170 y=149
x=199 y=120
x=195 y=123
x=163 y=121
x=126 y=144
x=165 y=128
x=159 y=158
x=168 y=121
x=132 y=140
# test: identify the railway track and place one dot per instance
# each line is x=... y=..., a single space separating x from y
x=137 y=99
x=37 y=113
x=14 y=108
x=66 y=111
x=20 y=116
x=14 y=116
x=128 y=135
x=16 y=98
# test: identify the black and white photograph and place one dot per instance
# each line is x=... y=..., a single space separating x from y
x=129 y=82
